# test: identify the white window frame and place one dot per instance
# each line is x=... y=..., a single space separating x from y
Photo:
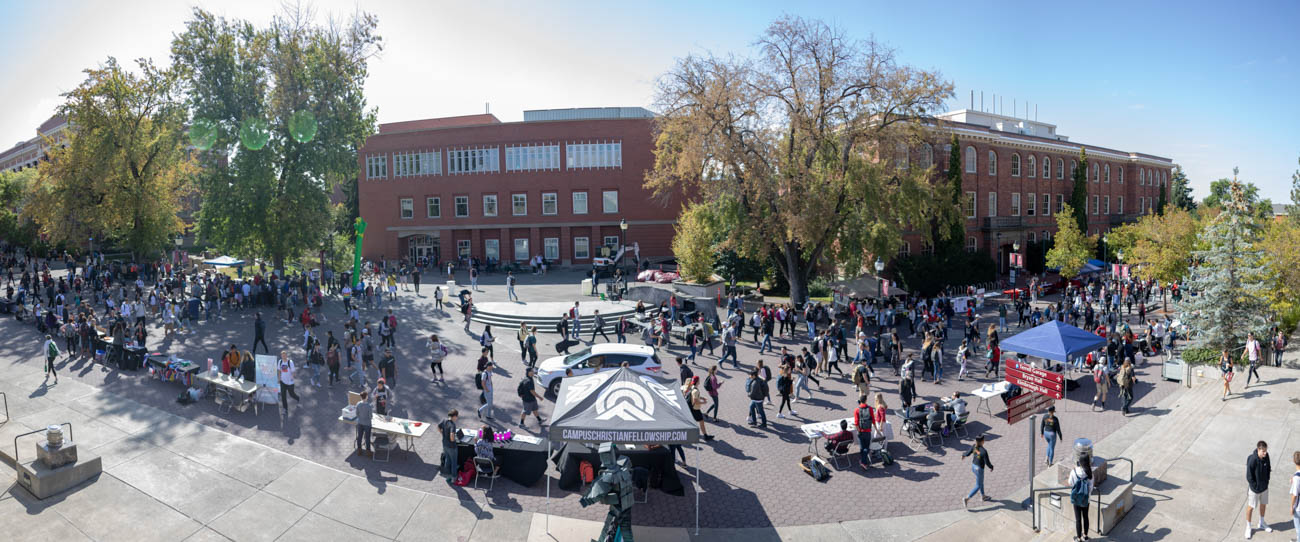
x=516 y=243
x=604 y=201
x=1046 y=209
x=463 y=249
x=491 y=205
x=457 y=202
x=582 y=244
x=972 y=205
x=1121 y=174
x=1096 y=172
x=1015 y=204
x=1060 y=168
x=1107 y=207
x=492 y=249
x=577 y=210
x=993 y=204
x=1096 y=204
x=1120 y=206
x=1047 y=167
x=611 y=241
x=406 y=208
x=993 y=163
x=551 y=248
x=550 y=203
x=972 y=160
x=971 y=244
x=1031 y=206
x=927 y=155
x=1033 y=167
x=1015 y=164
x=433 y=207
x=905 y=249
x=377 y=166
x=516 y=202
x=1107 y=173
x=1060 y=203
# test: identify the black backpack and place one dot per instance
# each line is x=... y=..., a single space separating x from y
x=478 y=381
x=522 y=390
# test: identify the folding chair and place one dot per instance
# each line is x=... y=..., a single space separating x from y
x=932 y=431
x=959 y=426
x=386 y=443
x=222 y=398
x=484 y=468
x=841 y=451
x=641 y=482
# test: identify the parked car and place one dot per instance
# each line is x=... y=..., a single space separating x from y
x=640 y=358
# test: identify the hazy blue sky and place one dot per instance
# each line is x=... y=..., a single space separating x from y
x=1211 y=85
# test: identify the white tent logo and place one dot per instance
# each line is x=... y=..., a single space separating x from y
x=582 y=387
x=625 y=401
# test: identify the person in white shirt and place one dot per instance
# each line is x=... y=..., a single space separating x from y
x=1295 y=494
x=287 y=369
x=1080 y=490
x=1252 y=353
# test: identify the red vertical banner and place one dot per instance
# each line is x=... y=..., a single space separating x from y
x=1114 y=269
x=884 y=288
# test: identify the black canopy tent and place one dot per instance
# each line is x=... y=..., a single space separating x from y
x=623 y=407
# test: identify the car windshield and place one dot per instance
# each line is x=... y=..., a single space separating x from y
x=577 y=356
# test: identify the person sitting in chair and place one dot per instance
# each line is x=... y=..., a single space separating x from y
x=843 y=437
x=483 y=448
x=935 y=417
x=955 y=408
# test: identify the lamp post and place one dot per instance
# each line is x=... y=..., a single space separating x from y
x=1015 y=249
x=622 y=228
x=880 y=281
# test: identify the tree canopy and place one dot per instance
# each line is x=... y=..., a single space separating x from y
x=1161 y=244
x=693 y=244
x=810 y=147
x=1071 y=249
x=1180 y=191
x=125 y=167
x=1220 y=192
x=279 y=113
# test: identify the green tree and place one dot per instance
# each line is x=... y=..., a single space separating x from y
x=805 y=146
x=1181 y=191
x=1229 y=277
x=1071 y=249
x=956 y=235
x=1079 y=192
x=16 y=227
x=125 y=165
x=1161 y=202
x=287 y=105
x=693 y=244
x=1161 y=245
x=1293 y=210
x=1221 y=191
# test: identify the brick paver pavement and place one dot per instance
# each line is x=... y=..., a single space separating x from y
x=750 y=476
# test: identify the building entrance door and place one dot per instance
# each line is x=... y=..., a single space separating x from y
x=422 y=246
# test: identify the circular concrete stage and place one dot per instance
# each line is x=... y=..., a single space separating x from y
x=544 y=315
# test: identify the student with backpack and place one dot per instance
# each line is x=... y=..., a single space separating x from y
x=527 y=391
x=437 y=353
x=863 y=418
x=756 y=388
x=711 y=385
x=51 y=353
x=1102 y=380
x=1080 y=490
x=483 y=381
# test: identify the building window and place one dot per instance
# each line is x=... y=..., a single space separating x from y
x=1047 y=236
x=462 y=249
x=947 y=152
x=609 y=199
x=926 y=249
x=970 y=205
x=1015 y=204
x=1107 y=208
x=611 y=241
x=475 y=160
x=489 y=205
x=1119 y=205
x=377 y=166
x=593 y=155
x=1032 y=237
x=551 y=248
x=1047 y=167
x=1060 y=168
x=1120 y=170
x=905 y=250
x=414 y=164
x=993 y=163
x=1060 y=203
x=993 y=204
x=521 y=250
x=1033 y=167
x=900 y=153
x=519 y=204
x=408 y=208
x=1096 y=204
x=1074 y=167
x=971 y=165
x=1142 y=177
x=492 y=249
x=927 y=156
x=970 y=244
x=532 y=157
x=1047 y=204
x=434 y=207
x=1031 y=204
x=581 y=250
x=1096 y=173
x=1107 y=173
x=462 y=206
x=550 y=203
x=1015 y=164
x=579 y=203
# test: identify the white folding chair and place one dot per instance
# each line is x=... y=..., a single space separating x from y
x=484 y=468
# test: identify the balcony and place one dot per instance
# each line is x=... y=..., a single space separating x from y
x=994 y=223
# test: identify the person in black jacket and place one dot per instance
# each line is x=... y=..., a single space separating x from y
x=978 y=462
x=1258 y=470
x=757 y=390
x=1050 y=429
x=259 y=334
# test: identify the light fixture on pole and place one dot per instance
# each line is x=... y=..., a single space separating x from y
x=622 y=227
x=880 y=282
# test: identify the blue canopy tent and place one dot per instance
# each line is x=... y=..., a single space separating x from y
x=1056 y=341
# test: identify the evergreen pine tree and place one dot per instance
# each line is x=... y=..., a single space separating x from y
x=1160 y=203
x=958 y=225
x=1079 y=195
x=1181 y=193
x=1229 y=279
x=1294 y=209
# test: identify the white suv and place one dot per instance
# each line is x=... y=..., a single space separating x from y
x=640 y=358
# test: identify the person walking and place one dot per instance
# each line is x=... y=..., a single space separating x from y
x=620 y=332
x=485 y=340
x=691 y=391
x=467 y=309
x=963 y=357
x=331 y=362
x=485 y=383
x=530 y=345
x=287 y=370
x=510 y=286
x=575 y=314
x=437 y=353
x=863 y=419
x=1080 y=490
x=450 y=440
x=1258 y=470
x=388 y=366
x=259 y=334
x=51 y=353
x=979 y=460
x=1295 y=494
x=1279 y=346
x=1102 y=380
x=785 y=386
x=1252 y=355
x=1050 y=429
x=437 y=297
x=598 y=326
x=1126 y=381
x=365 y=413
x=527 y=391
x=711 y=385
x=473 y=278
x=1225 y=374
x=757 y=391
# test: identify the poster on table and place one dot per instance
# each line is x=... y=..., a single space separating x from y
x=959 y=304
x=268 y=378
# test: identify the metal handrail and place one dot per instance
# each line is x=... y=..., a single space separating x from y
x=16 y=462
x=1033 y=500
x=5 y=396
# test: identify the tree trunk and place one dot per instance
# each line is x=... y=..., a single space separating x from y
x=795 y=275
x=278 y=263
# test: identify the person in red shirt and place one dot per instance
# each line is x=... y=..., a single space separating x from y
x=835 y=440
x=863 y=417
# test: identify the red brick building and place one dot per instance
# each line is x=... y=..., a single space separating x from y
x=1017 y=174
x=557 y=184
x=29 y=153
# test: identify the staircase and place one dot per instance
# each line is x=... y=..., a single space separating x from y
x=546 y=320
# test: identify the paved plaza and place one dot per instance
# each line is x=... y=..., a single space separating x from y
x=194 y=471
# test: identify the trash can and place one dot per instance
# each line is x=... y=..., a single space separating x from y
x=1083 y=448
x=585 y=288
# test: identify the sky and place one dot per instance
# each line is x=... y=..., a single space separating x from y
x=1210 y=85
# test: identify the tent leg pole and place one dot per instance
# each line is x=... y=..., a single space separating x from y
x=548 y=489
x=697 y=490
